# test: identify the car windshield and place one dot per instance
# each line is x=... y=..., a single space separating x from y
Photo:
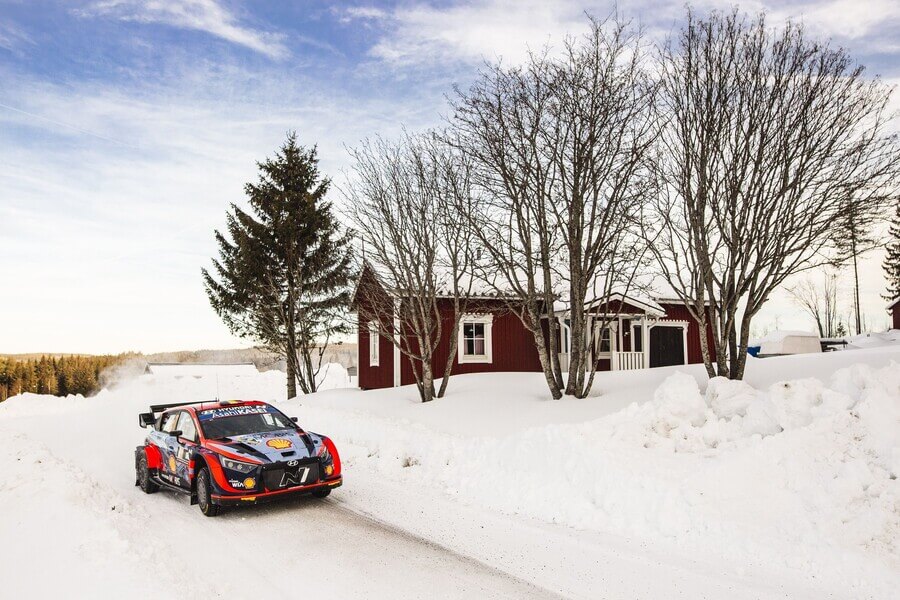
x=243 y=420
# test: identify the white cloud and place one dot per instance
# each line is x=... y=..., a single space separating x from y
x=111 y=195
x=472 y=31
x=13 y=38
x=201 y=15
x=421 y=33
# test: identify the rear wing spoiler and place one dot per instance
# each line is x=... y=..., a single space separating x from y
x=149 y=418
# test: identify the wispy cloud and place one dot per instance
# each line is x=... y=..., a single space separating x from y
x=421 y=33
x=111 y=194
x=201 y=15
x=13 y=38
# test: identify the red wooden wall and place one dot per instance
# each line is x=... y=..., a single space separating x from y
x=512 y=346
x=679 y=312
x=381 y=376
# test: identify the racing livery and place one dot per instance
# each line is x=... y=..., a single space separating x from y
x=231 y=453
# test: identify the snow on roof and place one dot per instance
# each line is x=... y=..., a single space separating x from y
x=893 y=303
x=200 y=369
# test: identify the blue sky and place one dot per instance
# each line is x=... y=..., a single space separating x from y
x=128 y=126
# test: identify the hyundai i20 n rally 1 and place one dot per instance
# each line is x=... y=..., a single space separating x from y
x=233 y=453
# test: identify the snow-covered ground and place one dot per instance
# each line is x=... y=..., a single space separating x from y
x=659 y=485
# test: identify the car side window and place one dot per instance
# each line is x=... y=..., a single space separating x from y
x=169 y=422
x=187 y=427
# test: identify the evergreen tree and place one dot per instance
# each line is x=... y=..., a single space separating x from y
x=891 y=262
x=283 y=273
x=854 y=236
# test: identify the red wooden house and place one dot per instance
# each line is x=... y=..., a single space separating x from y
x=894 y=309
x=642 y=333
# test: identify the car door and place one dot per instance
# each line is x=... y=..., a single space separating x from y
x=182 y=448
x=168 y=447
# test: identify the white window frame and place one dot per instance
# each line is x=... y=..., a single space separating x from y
x=598 y=338
x=487 y=357
x=374 y=346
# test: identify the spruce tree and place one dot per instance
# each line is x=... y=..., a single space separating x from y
x=855 y=236
x=283 y=273
x=891 y=262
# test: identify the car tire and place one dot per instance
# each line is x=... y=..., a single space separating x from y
x=143 y=473
x=321 y=493
x=204 y=494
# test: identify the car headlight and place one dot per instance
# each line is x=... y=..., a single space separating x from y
x=236 y=465
x=324 y=454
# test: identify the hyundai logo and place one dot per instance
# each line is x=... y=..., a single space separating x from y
x=293 y=463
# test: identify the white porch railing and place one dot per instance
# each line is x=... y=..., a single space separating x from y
x=627 y=361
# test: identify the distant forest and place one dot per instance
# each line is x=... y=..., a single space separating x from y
x=59 y=376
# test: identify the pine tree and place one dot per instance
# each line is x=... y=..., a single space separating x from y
x=854 y=236
x=891 y=262
x=283 y=273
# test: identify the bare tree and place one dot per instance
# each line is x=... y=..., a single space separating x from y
x=770 y=137
x=400 y=202
x=558 y=149
x=820 y=302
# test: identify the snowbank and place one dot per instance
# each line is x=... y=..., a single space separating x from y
x=791 y=476
x=798 y=476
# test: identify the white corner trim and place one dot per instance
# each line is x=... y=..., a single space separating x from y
x=488 y=357
x=396 y=343
x=374 y=357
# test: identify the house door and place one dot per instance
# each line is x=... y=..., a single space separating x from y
x=666 y=346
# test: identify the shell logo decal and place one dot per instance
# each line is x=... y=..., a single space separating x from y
x=249 y=483
x=279 y=443
x=172 y=464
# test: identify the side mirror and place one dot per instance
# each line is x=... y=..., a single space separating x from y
x=146 y=419
x=176 y=434
x=294 y=419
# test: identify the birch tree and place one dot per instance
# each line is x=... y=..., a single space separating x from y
x=400 y=201
x=559 y=150
x=770 y=136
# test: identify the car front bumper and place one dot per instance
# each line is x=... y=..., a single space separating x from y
x=260 y=497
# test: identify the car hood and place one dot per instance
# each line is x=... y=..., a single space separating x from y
x=271 y=446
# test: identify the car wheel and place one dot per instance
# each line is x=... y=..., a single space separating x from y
x=321 y=493
x=204 y=494
x=147 y=484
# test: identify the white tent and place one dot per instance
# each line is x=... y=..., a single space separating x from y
x=789 y=342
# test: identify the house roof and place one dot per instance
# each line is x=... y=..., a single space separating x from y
x=893 y=303
x=485 y=284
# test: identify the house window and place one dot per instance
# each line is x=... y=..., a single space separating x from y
x=475 y=339
x=373 y=344
x=604 y=341
x=637 y=340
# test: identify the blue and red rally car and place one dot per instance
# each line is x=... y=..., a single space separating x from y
x=232 y=453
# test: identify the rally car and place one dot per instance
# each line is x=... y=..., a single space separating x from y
x=232 y=453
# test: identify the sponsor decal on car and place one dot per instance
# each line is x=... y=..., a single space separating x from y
x=173 y=465
x=232 y=411
x=279 y=443
x=249 y=483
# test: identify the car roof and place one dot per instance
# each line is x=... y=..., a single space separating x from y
x=194 y=408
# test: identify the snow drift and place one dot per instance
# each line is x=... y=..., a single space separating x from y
x=800 y=477
x=790 y=480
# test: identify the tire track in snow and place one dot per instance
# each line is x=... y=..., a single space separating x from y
x=466 y=564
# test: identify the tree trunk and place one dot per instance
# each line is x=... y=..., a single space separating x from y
x=290 y=361
x=546 y=362
x=427 y=381
x=856 y=286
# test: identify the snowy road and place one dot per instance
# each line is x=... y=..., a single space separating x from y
x=104 y=537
